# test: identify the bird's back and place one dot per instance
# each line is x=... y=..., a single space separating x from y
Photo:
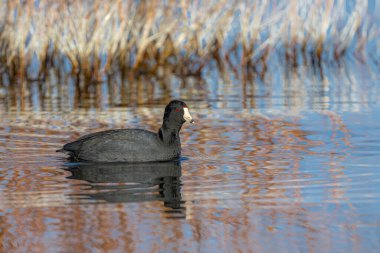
x=122 y=145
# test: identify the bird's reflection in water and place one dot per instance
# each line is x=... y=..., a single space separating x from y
x=126 y=182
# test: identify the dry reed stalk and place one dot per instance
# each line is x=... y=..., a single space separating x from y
x=100 y=37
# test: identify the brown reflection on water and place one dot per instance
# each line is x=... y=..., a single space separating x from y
x=70 y=93
x=345 y=87
x=250 y=183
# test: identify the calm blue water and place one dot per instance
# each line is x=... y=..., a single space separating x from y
x=267 y=178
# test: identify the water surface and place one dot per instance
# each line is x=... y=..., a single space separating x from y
x=292 y=170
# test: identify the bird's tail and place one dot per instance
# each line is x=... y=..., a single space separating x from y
x=64 y=151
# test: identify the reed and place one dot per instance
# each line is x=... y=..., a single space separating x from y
x=92 y=40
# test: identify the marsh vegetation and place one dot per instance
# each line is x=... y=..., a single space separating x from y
x=93 y=41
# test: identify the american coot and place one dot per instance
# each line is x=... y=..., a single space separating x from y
x=134 y=145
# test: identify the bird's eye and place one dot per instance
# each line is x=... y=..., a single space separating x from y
x=177 y=109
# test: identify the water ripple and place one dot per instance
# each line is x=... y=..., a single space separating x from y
x=264 y=176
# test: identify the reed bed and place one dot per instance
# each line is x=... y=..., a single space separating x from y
x=95 y=40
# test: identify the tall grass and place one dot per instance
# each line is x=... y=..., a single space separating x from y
x=94 y=39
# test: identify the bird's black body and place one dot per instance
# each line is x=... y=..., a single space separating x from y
x=134 y=145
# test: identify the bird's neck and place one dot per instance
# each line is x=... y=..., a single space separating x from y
x=169 y=133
